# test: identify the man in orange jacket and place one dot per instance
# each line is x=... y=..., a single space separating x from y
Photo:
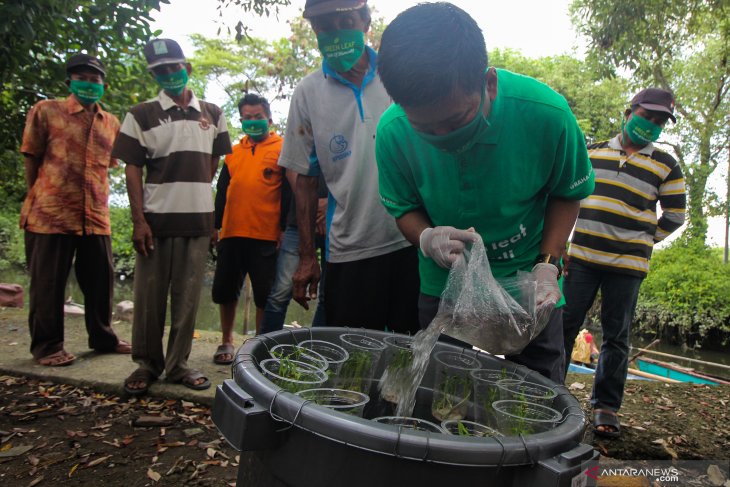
x=248 y=211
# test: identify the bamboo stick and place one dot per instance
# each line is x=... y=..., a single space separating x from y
x=662 y=354
x=641 y=373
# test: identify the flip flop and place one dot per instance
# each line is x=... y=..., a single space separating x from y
x=139 y=375
x=606 y=418
x=188 y=380
x=221 y=351
x=57 y=359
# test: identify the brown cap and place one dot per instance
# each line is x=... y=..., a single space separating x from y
x=320 y=7
x=163 y=51
x=84 y=60
x=657 y=100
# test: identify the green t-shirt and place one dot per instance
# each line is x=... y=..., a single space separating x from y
x=533 y=149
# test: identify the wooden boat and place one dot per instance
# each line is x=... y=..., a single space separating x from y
x=677 y=372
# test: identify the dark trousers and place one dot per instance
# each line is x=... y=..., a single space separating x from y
x=49 y=259
x=544 y=354
x=376 y=293
x=619 y=293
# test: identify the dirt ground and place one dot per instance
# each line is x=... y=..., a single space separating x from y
x=54 y=434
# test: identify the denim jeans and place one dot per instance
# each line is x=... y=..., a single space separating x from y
x=619 y=293
x=281 y=290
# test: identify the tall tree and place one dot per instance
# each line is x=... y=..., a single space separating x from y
x=596 y=101
x=682 y=45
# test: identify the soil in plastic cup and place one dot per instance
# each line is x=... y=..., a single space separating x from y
x=406 y=422
x=486 y=391
x=300 y=354
x=526 y=391
x=452 y=385
x=333 y=353
x=291 y=375
x=357 y=372
x=398 y=358
x=458 y=427
x=342 y=400
x=524 y=418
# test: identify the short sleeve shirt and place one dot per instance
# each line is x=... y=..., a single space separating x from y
x=71 y=193
x=331 y=128
x=175 y=145
x=253 y=196
x=532 y=150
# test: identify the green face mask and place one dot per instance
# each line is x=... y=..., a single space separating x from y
x=86 y=92
x=173 y=83
x=640 y=130
x=341 y=48
x=256 y=129
x=463 y=138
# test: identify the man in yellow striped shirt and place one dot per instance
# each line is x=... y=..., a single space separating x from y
x=613 y=240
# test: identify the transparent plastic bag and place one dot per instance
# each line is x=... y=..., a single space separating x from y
x=499 y=316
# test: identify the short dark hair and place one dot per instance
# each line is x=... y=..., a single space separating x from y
x=254 y=99
x=428 y=51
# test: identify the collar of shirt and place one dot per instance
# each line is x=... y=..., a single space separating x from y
x=166 y=102
x=615 y=144
x=372 y=61
x=73 y=105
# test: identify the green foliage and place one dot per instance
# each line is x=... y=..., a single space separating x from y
x=12 y=180
x=122 y=248
x=683 y=45
x=12 y=245
x=686 y=294
x=596 y=101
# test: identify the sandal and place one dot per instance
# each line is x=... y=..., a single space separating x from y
x=607 y=419
x=140 y=375
x=221 y=352
x=57 y=359
x=190 y=378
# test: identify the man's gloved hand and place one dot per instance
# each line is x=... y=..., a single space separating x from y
x=548 y=291
x=445 y=244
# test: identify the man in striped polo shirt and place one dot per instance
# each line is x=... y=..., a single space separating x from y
x=178 y=139
x=613 y=239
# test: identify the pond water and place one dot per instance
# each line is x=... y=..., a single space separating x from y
x=207 y=310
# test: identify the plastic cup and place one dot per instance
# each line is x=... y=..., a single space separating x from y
x=453 y=385
x=342 y=400
x=406 y=422
x=458 y=427
x=486 y=391
x=333 y=353
x=526 y=391
x=299 y=354
x=524 y=418
x=292 y=375
x=357 y=372
x=398 y=358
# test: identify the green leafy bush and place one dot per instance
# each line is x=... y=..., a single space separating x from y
x=12 y=244
x=122 y=248
x=686 y=294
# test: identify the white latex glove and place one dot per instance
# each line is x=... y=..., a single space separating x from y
x=445 y=244
x=548 y=291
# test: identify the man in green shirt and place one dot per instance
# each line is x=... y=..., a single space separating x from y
x=467 y=147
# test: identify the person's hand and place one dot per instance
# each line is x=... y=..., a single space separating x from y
x=445 y=244
x=142 y=238
x=548 y=291
x=305 y=280
x=214 y=238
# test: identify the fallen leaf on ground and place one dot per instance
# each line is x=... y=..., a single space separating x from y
x=96 y=462
x=152 y=475
x=14 y=451
x=36 y=481
x=577 y=386
x=144 y=421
